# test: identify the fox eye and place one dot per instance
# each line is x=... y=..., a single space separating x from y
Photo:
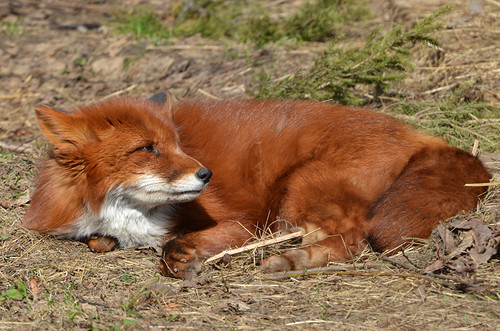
x=148 y=149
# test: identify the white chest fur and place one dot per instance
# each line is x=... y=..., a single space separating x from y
x=132 y=223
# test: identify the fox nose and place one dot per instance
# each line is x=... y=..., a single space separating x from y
x=204 y=175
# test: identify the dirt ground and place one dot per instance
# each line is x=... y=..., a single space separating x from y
x=63 y=54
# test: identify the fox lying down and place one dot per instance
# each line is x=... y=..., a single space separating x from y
x=126 y=172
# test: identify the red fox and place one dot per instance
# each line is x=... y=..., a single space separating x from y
x=127 y=172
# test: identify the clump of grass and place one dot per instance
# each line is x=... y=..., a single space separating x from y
x=459 y=122
x=260 y=29
x=323 y=19
x=314 y=21
x=210 y=18
x=17 y=291
x=142 y=23
x=319 y=21
x=383 y=59
x=244 y=21
x=12 y=29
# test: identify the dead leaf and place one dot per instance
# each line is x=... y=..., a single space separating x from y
x=435 y=266
x=195 y=282
x=447 y=238
x=477 y=243
x=34 y=286
x=8 y=230
x=467 y=242
x=483 y=257
x=420 y=291
x=6 y=204
x=21 y=131
x=464 y=224
x=482 y=235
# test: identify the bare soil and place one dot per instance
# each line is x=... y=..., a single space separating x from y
x=63 y=54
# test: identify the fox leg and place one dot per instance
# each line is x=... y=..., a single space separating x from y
x=320 y=246
x=101 y=244
x=333 y=217
x=182 y=257
x=430 y=189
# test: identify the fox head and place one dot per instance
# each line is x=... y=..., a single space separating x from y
x=118 y=151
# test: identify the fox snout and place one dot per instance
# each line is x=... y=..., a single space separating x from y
x=204 y=175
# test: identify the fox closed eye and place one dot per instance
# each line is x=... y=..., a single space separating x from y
x=148 y=149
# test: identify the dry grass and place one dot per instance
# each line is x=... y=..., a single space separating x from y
x=70 y=287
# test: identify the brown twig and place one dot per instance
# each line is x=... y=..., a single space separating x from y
x=294 y=274
x=207 y=94
x=483 y=184
x=255 y=245
x=96 y=303
x=471 y=132
x=340 y=270
x=186 y=47
x=475 y=148
x=447 y=281
x=119 y=92
x=442 y=88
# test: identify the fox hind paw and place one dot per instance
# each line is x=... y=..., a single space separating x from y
x=296 y=259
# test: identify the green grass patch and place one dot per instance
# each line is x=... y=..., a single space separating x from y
x=338 y=72
x=12 y=29
x=214 y=19
x=243 y=21
x=323 y=20
x=17 y=291
x=141 y=22
x=458 y=123
x=318 y=20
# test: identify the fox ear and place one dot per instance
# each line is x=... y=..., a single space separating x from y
x=163 y=98
x=55 y=124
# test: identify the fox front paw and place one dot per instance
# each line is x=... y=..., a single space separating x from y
x=179 y=260
x=101 y=244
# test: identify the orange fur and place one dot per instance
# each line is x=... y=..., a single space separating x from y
x=347 y=176
x=350 y=176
